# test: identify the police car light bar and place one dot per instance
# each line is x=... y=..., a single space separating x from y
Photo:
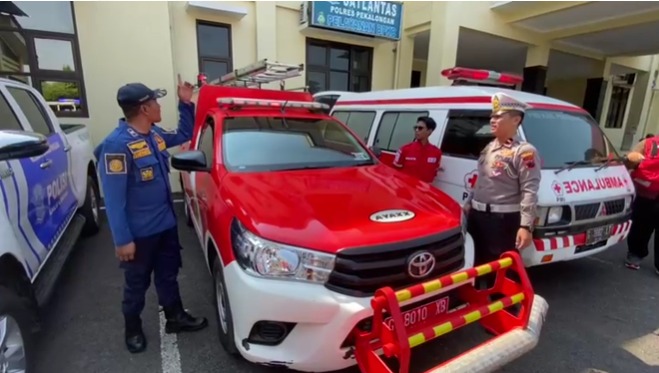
x=461 y=73
x=273 y=103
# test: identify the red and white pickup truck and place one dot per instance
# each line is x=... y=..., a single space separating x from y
x=317 y=249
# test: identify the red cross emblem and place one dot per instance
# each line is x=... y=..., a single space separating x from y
x=558 y=190
x=471 y=179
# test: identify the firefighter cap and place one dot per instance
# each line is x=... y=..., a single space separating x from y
x=501 y=103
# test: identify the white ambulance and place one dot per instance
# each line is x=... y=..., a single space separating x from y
x=585 y=194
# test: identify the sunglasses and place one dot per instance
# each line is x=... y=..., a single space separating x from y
x=419 y=128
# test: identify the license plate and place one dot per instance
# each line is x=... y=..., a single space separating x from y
x=598 y=234
x=422 y=313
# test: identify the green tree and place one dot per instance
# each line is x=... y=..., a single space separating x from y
x=53 y=91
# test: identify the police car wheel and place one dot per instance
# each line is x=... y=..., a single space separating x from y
x=91 y=209
x=223 y=310
x=16 y=338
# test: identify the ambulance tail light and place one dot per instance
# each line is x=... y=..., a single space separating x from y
x=236 y=102
x=482 y=76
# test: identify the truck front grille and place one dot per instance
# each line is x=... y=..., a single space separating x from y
x=589 y=211
x=361 y=271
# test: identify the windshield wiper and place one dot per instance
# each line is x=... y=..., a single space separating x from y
x=607 y=163
x=304 y=168
x=570 y=165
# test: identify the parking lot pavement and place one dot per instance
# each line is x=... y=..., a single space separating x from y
x=602 y=318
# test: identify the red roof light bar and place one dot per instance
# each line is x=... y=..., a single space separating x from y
x=461 y=73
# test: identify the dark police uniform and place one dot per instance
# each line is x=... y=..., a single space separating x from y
x=506 y=191
x=134 y=170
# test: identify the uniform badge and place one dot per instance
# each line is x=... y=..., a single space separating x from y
x=432 y=160
x=139 y=149
x=507 y=153
x=115 y=163
x=146 y=174
x=496 y=104
x=161 y=143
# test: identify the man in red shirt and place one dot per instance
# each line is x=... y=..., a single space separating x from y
x=420 y=158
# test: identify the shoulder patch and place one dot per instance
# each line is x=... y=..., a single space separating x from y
x=170 y=132
x=528 y=158
x=115 y=163
x=160 y=141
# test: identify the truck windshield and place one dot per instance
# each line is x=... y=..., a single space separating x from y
x=563 y=137
x=276 y=144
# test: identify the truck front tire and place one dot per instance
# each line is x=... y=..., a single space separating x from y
x=223 y=310
x=16 y=334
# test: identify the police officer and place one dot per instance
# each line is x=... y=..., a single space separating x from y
x=420 y=158
x=133 y=168
x=502 y=208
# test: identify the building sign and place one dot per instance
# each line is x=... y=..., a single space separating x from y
x=373 y=18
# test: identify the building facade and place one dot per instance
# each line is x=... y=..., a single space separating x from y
x=598 y=55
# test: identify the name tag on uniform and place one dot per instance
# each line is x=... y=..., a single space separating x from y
x=432 y=160
x=160 y=142
x=147 y=174
x=139 y=149
x=410 y=158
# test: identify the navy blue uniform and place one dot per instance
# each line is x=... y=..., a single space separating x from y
x=134 y=172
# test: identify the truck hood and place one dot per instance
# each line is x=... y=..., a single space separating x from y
x=581 y=185
x=332 y=209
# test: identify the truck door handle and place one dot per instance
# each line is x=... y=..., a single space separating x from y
x=46 y=164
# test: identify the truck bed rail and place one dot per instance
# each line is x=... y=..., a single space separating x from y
x=515 y=334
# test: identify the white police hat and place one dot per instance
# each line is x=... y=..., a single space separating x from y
x=501 y=103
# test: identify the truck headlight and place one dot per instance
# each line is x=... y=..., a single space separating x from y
x=264 y=258
x=554 y=214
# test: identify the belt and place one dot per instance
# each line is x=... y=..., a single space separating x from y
x=486 y=207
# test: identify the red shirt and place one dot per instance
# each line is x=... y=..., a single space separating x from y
x=420 y=161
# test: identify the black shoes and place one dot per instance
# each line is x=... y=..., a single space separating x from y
x=178 y=320
x=134 y=337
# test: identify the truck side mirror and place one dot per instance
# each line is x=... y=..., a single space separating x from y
x=22 y=144
x=194 y=160
x=376 y=150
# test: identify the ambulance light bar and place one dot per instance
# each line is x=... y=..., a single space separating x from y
x=272 y=103
x=461 y=73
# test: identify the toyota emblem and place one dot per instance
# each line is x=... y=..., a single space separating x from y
x=421 y=264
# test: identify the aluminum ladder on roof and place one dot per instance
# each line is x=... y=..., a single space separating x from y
x=261 y=72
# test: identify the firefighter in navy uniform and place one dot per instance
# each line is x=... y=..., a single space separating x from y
x=133 y=168
x=502 y=208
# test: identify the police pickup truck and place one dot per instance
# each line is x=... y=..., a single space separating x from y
x=49 y=193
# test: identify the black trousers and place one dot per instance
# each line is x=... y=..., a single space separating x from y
x=493 y=233
x=159 y=255
x=645 y=221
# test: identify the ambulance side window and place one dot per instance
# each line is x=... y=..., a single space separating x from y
x=467 y=133
x=358 y=121
x=397 y=129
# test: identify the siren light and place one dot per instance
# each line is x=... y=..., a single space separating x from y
x=485 y=76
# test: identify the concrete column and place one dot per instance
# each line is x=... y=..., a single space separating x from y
x=266 y=33
x=535 y=72
x=606 y=101
x=405 y=57
x=443 y=45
